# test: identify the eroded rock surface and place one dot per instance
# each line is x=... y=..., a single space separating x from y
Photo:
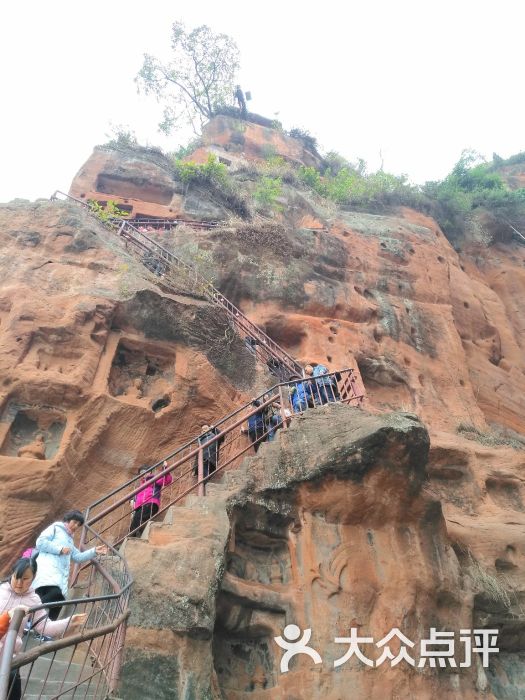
x=115 y=372
x=100 y=371
x=331 y=527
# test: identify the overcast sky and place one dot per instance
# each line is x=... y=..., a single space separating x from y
x=414 y=81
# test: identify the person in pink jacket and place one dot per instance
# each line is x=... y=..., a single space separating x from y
x=146 y=503
x=18 y=592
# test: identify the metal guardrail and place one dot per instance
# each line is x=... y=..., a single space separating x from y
x=167 y=224
x=169 y=266
x=92 y=662
x=191 y=465
x=85 y=664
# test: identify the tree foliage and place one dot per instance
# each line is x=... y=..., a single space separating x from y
x=267 y=193
x=210 y=172
x=473 y=185
x=350 y=185
x=197 y=80
x=108 y=212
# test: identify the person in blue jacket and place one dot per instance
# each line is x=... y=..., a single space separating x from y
x=301 y=394
x=56 y=549
x=325 y=387
x=256 y=426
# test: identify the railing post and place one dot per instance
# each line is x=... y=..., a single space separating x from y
x=8 y=651
x=117 y=662
x=76 y=566
x=200 y=473
x=281 y=403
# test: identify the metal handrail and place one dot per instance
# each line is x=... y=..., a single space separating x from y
x=120 y=595
x=238 y=319
x=349 y=391
x=172 y=223
x=129 y=231
x=127 y=491
x=274 y=389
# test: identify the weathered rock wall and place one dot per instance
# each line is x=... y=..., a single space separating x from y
x=329 y=528
x=434 y=330
x=100 y=372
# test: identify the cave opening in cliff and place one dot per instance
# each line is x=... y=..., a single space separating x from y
x=142 y=370
x=143 y=190
x=161 y=403
x=32 y=432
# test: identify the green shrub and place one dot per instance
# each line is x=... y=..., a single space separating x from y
x=350 y=186
x=106 y=213
x=469 y=186
x=184 y=151
x=334 y=162
x=309 y=141
x=268 y=190
x=215 y=177
x=121 y=138
x=210 y=172
x=513 y=160
x=310 y=176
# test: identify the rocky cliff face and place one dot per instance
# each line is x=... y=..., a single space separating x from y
x=333 y=528
x=100 y=371
x=351 y=519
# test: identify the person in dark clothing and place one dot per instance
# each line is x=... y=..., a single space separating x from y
x=251 y=344
x=256 y=426
x=325 y=387
x=153 y=263
x=239 y=96
x=210 y=454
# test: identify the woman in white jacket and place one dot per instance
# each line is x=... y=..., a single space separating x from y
x=18 y=592
x=56 y=549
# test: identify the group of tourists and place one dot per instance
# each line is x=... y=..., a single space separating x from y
x=317 y=388
x=40 y=577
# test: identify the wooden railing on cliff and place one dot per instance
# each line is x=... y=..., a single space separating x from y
x=171 y=267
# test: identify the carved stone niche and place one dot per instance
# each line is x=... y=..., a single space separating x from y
x=142 y=370
x=252 y=605
x=33 y=432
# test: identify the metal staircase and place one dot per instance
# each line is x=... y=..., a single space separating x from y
x=86 y=664
x=177 y=274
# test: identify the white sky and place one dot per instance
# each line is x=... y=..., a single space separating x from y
x=417 y=80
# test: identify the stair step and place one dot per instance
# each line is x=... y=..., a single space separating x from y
x=168 y=516
x=145 y=533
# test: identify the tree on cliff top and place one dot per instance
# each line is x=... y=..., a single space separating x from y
x=199 y=77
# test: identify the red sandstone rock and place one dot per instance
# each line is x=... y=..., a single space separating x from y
x=433 y=330
x=73 y=350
